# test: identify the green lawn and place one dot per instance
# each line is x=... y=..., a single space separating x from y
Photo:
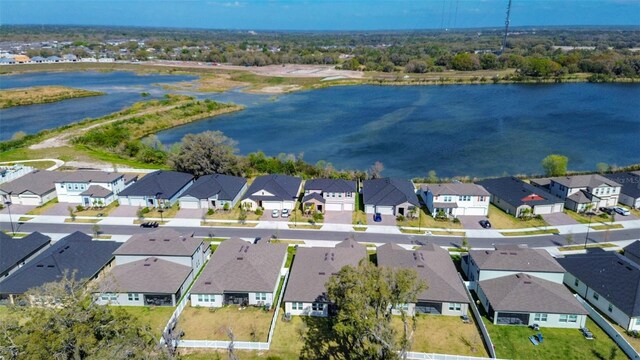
x=249 y=324
x=43 y=208
x=155 y=316
x=532 y=232
x=501 y=220
x=584 y=219
x=512 y=342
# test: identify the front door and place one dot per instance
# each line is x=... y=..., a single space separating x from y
x=319 y=208
x=86 y=201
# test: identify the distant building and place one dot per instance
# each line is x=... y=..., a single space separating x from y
x=10 y=173
x=17 y=252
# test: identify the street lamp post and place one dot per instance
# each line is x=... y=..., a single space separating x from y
x=588 y=228
x=8 y=203
x=160 y=207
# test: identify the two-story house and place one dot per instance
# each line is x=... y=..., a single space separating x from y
x=455 y=199
x=582 y=192
x=329 y=195
x=92 y=188
x=630 y=191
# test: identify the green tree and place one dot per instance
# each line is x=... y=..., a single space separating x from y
x=206 y=153
x=465 y=62
x=555 y=165
x=72 y=214
x=432 y=177
x=365 y=297
x=96 y=230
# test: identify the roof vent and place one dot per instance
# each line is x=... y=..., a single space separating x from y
x=527 y=282
x=239 y=258
x=40 y=265
x=207 y=282
x=503 y=253
x=513 y=253
x=321 y=273
x=61 y=251
x=152 y=239
x=155 y=260
x=420 y=265
x=167 y=240
x=66 y=247
x=246 y=248
x=147 y=264
x=50 y=266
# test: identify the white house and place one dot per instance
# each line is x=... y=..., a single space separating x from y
x=455 y=199
x=91 y=188
x=272 y=192
x=10 y=173
x=213 y=192
x=581 y=192
x=240 y=273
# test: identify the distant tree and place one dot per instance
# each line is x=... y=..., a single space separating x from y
x=602 y=167
x=555 y=165
x=18 y=135
x=365 y=297
x=375 y=170
x=432 y=177
x=206 y=153
x=465 y=62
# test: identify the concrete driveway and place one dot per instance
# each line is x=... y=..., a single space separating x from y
x=17 y=209
x=60 y=209
x=557 y=219
x=266 y=216
x=124 y=211
x=338 y=217
x=190 y=213
x=387 y=220
x=618 y=217
x=471 y=221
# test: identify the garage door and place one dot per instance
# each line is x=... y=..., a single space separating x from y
x=384 y=210
x=189 y=204
x=30 y=200
x=137 y=202
x=558 y=208
x=334 y=207
x=542 y=209
x=475 y=211
x=268 y=205
x=348 y=207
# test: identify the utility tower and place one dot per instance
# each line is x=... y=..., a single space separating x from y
x=506 y=28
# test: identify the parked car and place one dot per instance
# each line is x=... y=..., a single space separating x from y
x=377 y=217
x=285 y=213
x=622 y=211
x=607 y=210
x=275 y=213
x=485 y=224
x=149 y=224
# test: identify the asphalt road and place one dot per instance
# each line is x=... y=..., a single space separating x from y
x=532 y=241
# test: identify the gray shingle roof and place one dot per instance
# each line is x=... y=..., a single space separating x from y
x=283 y=187
x=388 y=192
x=581 y=197
x=75 y=253
x=517 y=193
x=151 y=275
x=515 y=258
x=239 y=266
x=433 y=265
x=579 y=181
x=166 y=182
x=456 y=189
x=39 y=182
x=97 y=191
x=330 y=185
x=161 y=242
x=523 y=293
x=225 y=186
x=315 y=196
x=630 y=183
x=90 y=176
x=312 y=268
x=633 y=249
x=611 y=275
x=14 y=251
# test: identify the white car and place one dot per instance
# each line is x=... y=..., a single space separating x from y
x=622 y=211
x=275 y=213
x=285 y=213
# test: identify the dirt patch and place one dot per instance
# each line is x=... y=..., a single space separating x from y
x=278 y=89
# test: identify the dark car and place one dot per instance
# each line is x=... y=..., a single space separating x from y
x=377 y=217
x=607 y=210
x=485 y=224
x=149 y=224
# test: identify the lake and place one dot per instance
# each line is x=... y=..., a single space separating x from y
x=474 y=130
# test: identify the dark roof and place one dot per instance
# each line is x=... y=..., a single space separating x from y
x=515 y=258
x=455 y=189
x=587 y=181
x=225 y=186
x=581 y=197
x=630 y=183
x=330 y=185
x=161 y=242
x=75 y=253
x=14 y=251
x=433 y=265
x=39 y=182
x=389 y=192
x=90 y=176
x=313 y=195
x=633 y=249
x=168 y=183
x=313 y=267
x=150 y=275
x=610 y=275
x=541 y=182
x=97 y=191
x=282 y=187
x=239 y=266
x=524 y=293
x=517 y=192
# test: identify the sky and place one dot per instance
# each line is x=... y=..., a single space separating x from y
x=319 y=14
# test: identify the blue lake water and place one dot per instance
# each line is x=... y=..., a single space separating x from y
x=475 y=130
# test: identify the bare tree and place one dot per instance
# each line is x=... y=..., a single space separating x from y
x=375 y=170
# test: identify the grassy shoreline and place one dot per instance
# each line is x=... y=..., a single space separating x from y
x=41 y=95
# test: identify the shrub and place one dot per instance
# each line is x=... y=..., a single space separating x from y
x=259 y=211
x=603 y=216
x=145 y=210
x=317 y=216
x=456 y=221
x=400 y=218
x=79 y=208
x=210 y=212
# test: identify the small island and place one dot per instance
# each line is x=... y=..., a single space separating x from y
x=40 y=95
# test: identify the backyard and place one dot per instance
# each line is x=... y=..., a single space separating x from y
x=248 y=324
x=155 y=316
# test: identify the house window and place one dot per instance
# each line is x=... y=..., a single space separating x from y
x=348 y=194
x=610 y=308
x=317 y=307
x=540 y=317
x=447 y=199
x=576 y=282
x=339 y=195
x=69 y=187
x=206 y=298
x=109 y=297
x=465 y=198
x=261 y=296
x=563 y=318
x=133 y=297
x=596 y=296
x=296 y=306
x=637 y=321
x=454 y=307
x=480 y=198
x=573 y=318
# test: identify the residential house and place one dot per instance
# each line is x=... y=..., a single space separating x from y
x=330 y=195
x=630 y=190
x=515 y=197
x=445 y=294
x=35 y=188
x=522 y=299
x=455 y=199
x=75 y=254
x=165 y=244
x=582 y=192
x=306 y=293
x=159 y=188
x=10 y=173
x=389 y=196
x=15 y=253
x=240 y=273
x=272 y=192
x=609 y=281
x=92 y=188
x=150 y=281
x=38 y=59
x=632 y=251
x=213 y=192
